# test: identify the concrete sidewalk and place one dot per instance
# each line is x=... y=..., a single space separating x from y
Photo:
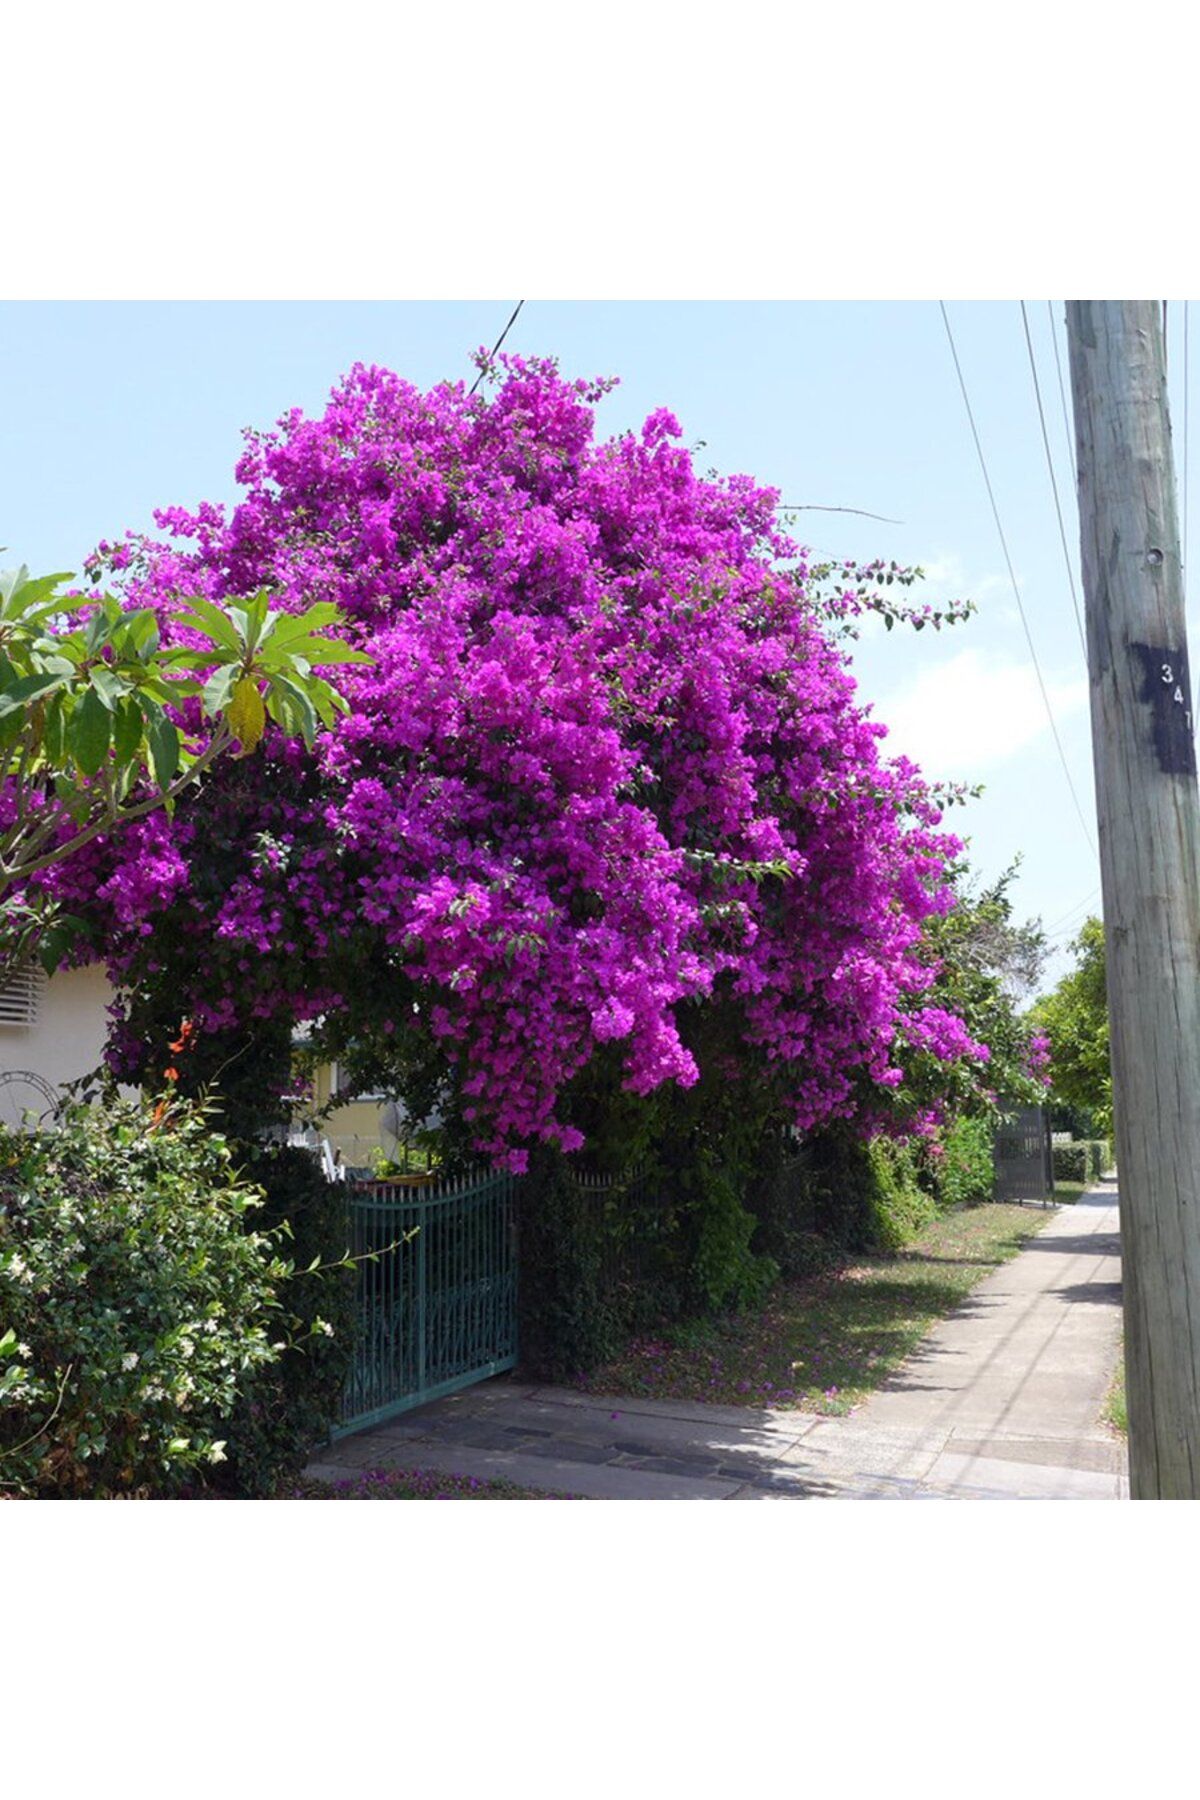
x=1001 y=1401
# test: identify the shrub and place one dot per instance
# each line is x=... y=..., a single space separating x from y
x=1070 y=1162
x=1099 y=1158
x=134 y=1302
x=569 y=1317
x=899 y=1206
x=966 y=1170
x=835 y=1196
x=286 y=1407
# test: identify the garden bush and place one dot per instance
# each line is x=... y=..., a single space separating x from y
x=1100 y=1158
x=572 y=1313
x=835 y=1196
x=288 y=1406
x=966 y=1169
x=898 y=1204
x=1070 y=1162
x=137 y=1298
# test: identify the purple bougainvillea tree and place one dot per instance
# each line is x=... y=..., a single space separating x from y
x=606 y=770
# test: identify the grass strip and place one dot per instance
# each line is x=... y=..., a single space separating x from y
x=823 y=1344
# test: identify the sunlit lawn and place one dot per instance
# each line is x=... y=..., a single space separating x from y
x=822 y=1344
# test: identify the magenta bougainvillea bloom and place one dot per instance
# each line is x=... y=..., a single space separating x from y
x=608 y=763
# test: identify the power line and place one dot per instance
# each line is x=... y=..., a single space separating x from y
x=1062 y=530
x=1062 y=394
x=987 y=480
x=1065 y=919
x=495 y=351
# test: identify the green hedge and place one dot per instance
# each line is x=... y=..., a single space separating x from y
x=1085 y=1161
x=965 y=1170
x=1070 y=1162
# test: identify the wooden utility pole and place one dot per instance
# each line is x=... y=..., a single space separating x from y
x=1146 y=798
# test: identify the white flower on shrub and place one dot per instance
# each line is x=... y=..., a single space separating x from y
x=130 y=1361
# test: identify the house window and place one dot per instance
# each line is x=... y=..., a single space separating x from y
x=20 y=996
x=340 y=1085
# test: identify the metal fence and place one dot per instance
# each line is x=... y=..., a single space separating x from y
x=1023 y=1156
x=438 y=1305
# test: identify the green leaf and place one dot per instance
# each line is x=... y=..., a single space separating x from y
x=144 y=634
x=89 y=732
x=315 y=618
x=99 y=629
x=109 y=687
x=28 y=690
x=54 y=731
x=128 y=727
x=300 y=706
x=215 y=624
x=317 y=651
x=218 y=687
x=24 y=595
x=164 y=750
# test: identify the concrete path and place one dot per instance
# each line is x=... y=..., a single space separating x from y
x=1000 y=1401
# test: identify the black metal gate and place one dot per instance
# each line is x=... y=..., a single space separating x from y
x=1023 y=1156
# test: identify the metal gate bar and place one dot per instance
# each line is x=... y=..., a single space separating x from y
x=438 y=1311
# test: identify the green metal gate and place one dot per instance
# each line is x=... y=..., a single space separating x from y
x=440 y=1310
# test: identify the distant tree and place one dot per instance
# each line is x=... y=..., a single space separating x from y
x=1075 y=1018
x=986 y=967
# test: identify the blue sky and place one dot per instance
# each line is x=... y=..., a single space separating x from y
x=114 y=409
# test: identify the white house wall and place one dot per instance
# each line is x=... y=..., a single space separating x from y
x=67 y=1040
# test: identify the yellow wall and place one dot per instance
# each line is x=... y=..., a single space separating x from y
x=353 y=1128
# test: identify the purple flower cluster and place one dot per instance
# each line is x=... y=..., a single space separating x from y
x=607 y=762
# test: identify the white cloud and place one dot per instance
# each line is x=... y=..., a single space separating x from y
x=967 y=714
x=946 y=579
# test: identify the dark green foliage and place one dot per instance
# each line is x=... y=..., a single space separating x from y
x=835 y=1196
x=1100 y=1158
x=966 y=1170
x=287 y=1409
x=1070 y=1162
x=1080 y=1121
x=138 y=1295
x=1082 y=1161
x=597 y=1262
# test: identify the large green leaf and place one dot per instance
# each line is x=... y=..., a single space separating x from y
x=128 y=727
x=218 y=688
x=164 y=750
x=89 y=733
x=28 y=690
x=206 y=617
